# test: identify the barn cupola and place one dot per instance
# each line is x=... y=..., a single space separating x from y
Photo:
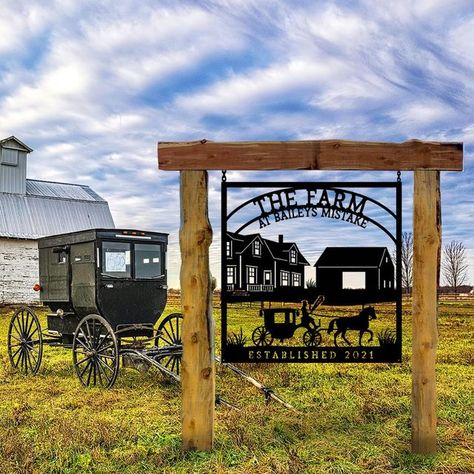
x=13 y=155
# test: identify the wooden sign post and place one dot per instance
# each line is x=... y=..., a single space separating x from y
x=425 y=158
x=197 y=376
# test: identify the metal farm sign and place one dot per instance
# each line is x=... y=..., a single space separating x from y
x=323 y=260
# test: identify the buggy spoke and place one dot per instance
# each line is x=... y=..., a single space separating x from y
x=22 y=323
x=105 y=348
x=83 y=360
x=168 y=342
x=22 y=358
x=172 y=331
x=94 y=367
x=84 y=369
x=29 y=362
x=18 y=331
x=99 y=374
x=34 y=358
x=91 y=365
x=101 y=342
x=169 y=335
x=107 y=356
x=27 y=335
x=82 y=344
x=14 y=355
x=104 y=364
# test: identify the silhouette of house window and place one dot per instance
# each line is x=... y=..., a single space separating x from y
x=228 y=249
x=293 y=256
x=230 y=275
x=252 y=275
x=296 y=279
x=257 y=248
x=285 y=278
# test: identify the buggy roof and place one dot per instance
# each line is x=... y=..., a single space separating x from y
x=125 y=235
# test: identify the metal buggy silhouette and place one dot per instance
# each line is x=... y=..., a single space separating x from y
x=106 y=289
x=282 y=323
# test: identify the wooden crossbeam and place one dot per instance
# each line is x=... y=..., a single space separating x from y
x=310 y=155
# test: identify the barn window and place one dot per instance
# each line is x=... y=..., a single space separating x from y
x=228 y=249
x=353 y=280
x=285 y=278
x=10 y=156
x=293 y=256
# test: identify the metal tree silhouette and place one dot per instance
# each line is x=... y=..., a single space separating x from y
x=454 y=264
x=407 y=261
x=406 y=256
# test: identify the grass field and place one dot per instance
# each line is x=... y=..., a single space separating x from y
x=352 y=418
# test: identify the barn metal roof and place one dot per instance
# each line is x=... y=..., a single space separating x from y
x=50 y=189
x=352 y=257
x=50 y=208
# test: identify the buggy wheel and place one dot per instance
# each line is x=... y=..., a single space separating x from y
x=261 y=336
x=25 y=341
x=169 y=342
x=95 y=352
x=312 y=338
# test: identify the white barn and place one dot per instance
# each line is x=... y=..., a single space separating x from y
x=30 y=209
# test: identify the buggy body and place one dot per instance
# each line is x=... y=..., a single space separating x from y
x=118 y=274
x=106 y=288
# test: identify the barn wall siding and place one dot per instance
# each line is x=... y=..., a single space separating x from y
x=19 y=271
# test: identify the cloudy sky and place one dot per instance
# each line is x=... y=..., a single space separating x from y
x=92 y=86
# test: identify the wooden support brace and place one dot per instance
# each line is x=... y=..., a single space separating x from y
x=198 y=372
x=426 y=253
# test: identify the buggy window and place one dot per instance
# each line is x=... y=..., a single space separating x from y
x=116 y=259
x=148 y=261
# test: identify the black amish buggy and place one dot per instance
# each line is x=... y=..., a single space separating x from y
x=282 y=323
x=106 y=289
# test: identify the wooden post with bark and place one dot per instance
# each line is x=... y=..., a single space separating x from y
x=426 y=257
x=197 y=365
x=426 y=159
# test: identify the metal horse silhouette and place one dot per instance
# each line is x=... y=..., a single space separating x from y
x=359 y=323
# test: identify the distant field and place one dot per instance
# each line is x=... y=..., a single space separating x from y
x=353 y=418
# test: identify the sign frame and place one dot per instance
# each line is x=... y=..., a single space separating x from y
x=303 y=354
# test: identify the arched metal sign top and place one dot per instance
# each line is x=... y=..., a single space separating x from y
x=299 y=200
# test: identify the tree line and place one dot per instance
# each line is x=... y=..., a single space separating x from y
x=454 y=265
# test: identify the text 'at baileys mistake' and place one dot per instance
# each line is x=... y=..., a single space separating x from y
x=294 y=203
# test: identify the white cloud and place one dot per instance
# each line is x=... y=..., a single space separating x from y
x=92 y=86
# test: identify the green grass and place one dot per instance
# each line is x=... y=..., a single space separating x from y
x=353 y=418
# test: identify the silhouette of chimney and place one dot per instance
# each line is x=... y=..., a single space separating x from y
x=280 y=238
